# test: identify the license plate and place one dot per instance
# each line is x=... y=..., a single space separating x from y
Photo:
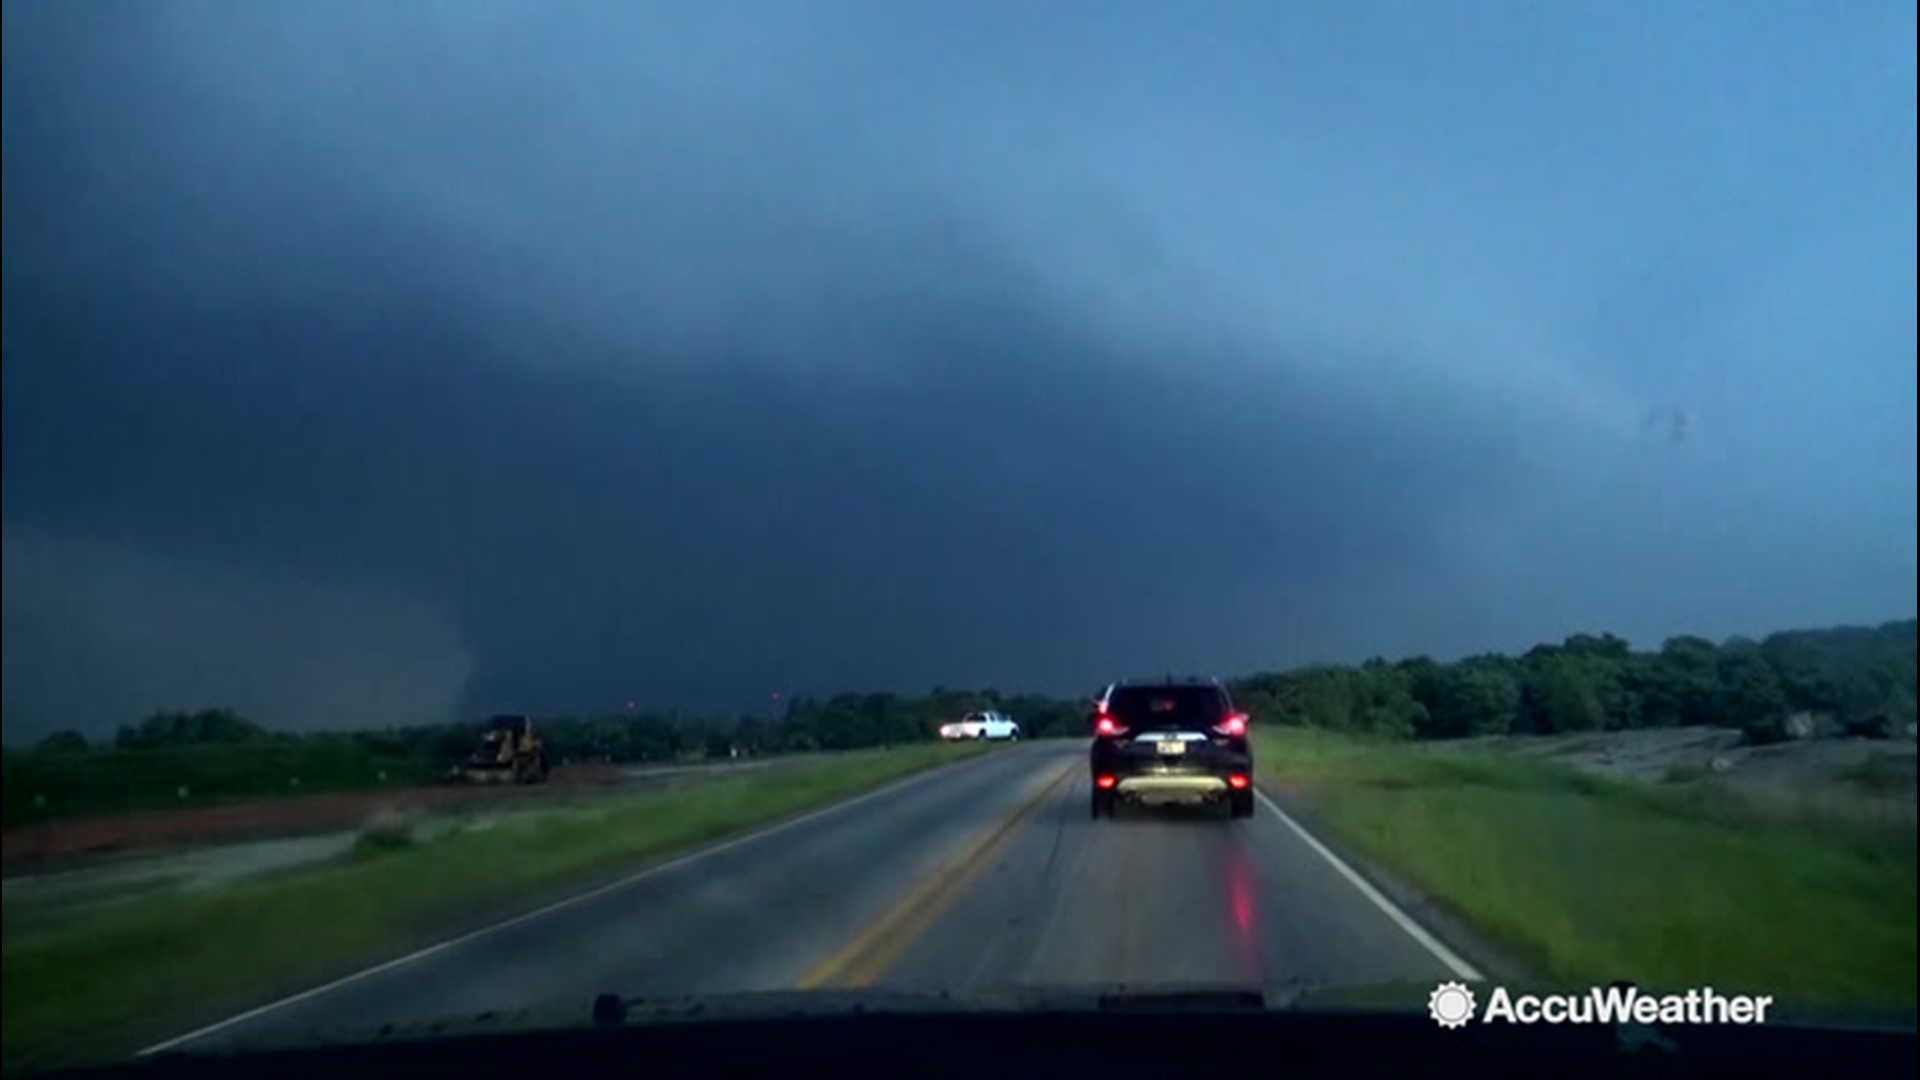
x=1171 y=748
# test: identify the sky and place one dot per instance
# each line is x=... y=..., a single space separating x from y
x=374 y=363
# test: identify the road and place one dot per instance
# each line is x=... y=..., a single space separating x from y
x=973 y=880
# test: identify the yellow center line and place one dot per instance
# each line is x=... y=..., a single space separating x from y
x=875 y=949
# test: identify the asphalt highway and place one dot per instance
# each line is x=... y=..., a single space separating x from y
x=976 y=879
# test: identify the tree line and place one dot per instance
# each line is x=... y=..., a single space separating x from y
x=1858 y=680
x=1847 y=680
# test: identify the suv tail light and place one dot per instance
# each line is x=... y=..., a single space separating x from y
x=1234 y=726
x=1107 y=725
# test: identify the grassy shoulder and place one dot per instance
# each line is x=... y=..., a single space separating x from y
x=1588 y=879
x=112 y=977
x=78 y=786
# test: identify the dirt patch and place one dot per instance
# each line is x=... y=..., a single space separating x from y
x=1664 y=754
x=60 y=841
x=33 y=899
x=1877 y=774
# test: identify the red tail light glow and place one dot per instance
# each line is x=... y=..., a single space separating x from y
x=1237 y=782
x=1107 y=725
x=1106 y=781
x=1233 y=726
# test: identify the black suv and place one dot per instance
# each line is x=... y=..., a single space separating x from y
x=1170 y=740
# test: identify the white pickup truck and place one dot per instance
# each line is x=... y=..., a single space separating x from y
x=982 y=725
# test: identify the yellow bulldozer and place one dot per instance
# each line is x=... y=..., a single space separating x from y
x=509 y=752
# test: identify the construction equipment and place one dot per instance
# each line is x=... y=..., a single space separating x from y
x=510 y=752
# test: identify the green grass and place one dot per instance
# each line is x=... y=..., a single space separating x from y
x=1588 y=879
x=113 y=977
x=1881 y=774
x=115 y=782
x=1685 y=773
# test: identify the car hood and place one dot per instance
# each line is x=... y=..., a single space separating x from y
x=588 y=1010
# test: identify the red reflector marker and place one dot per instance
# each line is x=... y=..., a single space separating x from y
x=1106 y=781
x=1237 y=782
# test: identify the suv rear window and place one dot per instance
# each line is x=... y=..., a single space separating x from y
x=1168 y=707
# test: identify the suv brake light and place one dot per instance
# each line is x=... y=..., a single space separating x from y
x=1233 y=726
x=1107 y=725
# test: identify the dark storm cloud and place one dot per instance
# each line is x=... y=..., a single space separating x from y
x=562 y=355
x=687 y=532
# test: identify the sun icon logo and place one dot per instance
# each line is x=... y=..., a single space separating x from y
x=1451 y=1004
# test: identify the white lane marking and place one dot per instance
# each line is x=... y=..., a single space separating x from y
x=1387 y=907
x=559 y=905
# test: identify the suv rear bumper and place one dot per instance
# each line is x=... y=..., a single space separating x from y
x=1214 y=774
x=1176 y=786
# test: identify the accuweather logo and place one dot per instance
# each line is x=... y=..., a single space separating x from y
x=1453 y=1005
